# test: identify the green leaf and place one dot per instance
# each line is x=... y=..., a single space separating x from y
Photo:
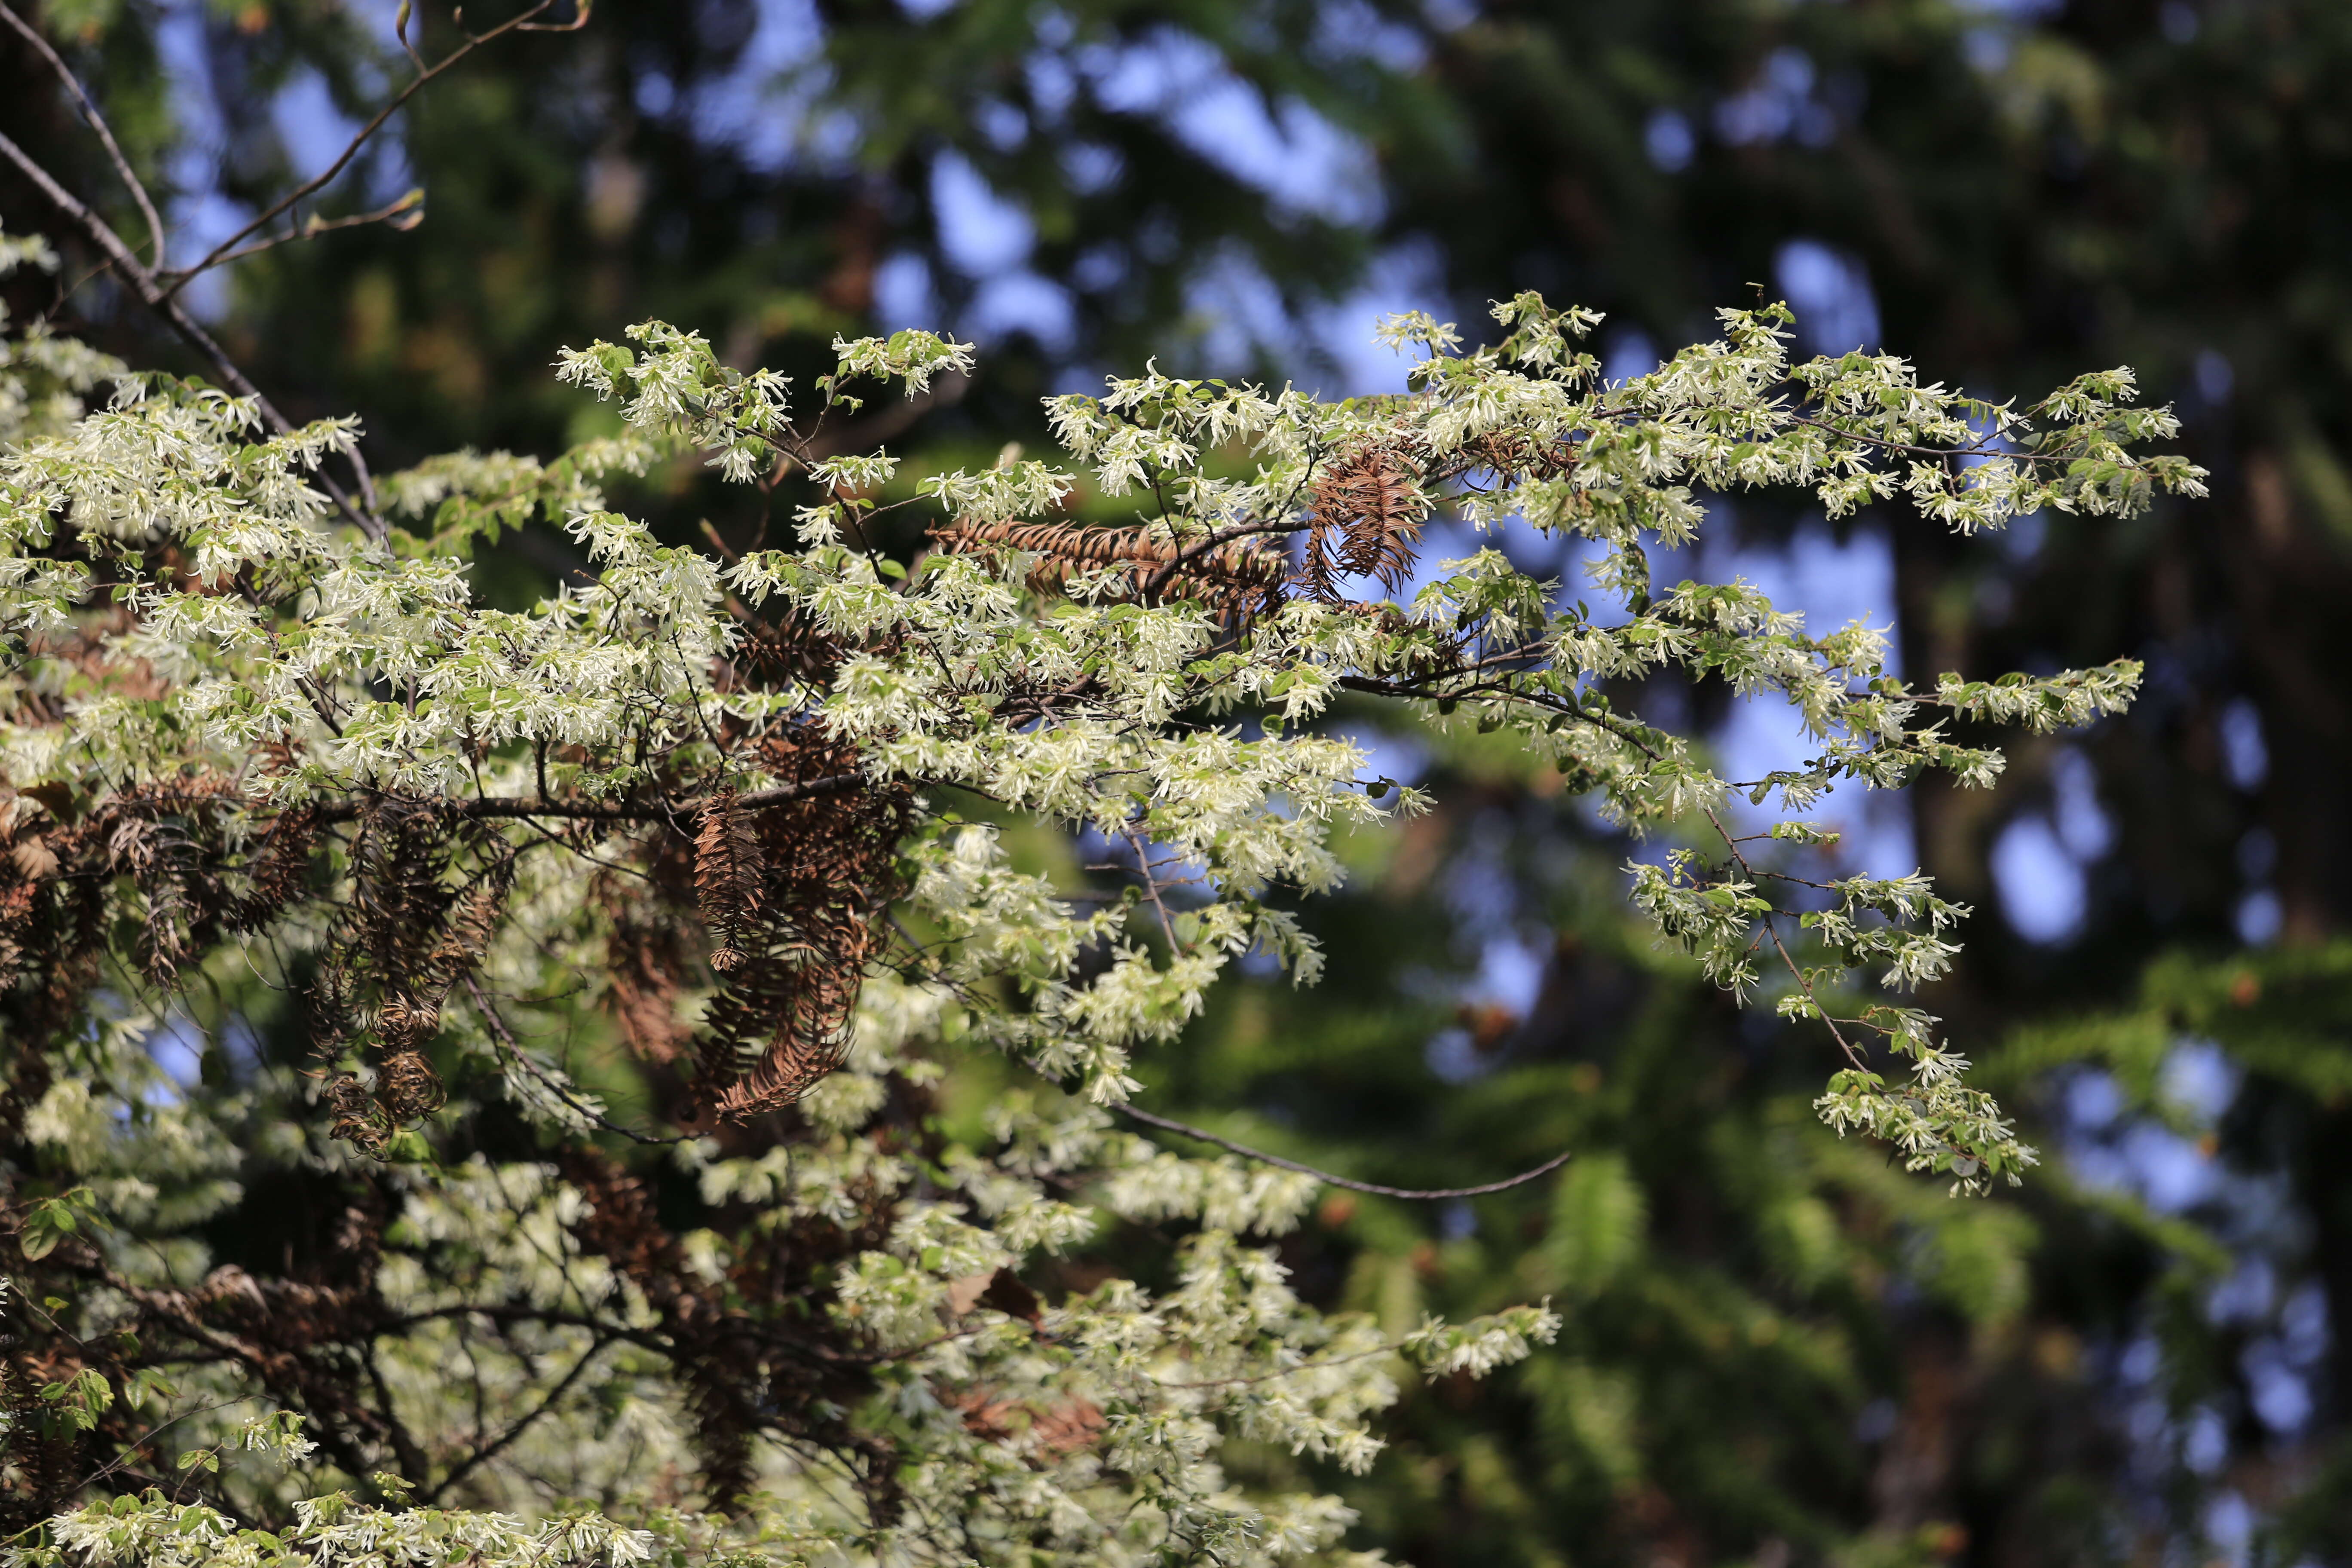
x=407 y=1147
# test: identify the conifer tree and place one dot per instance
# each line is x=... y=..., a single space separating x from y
x=2006 y=190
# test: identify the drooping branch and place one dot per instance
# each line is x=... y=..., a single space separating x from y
x=1417 y=1195
x=1233 y=577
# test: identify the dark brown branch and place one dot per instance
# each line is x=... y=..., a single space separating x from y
x=1419 y=1194
x=511 y=807
x=280 y=1371
x=1212 y=539
x=491 y=1450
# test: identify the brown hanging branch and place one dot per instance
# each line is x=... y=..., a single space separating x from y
x=782 y=1019
x=1367 y=512
x=1240 y=577
x=190 y=876
x=1364 y=520
x=425 y=899
x=727 y=877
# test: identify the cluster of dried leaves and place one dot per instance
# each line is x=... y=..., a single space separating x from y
x=166 y=858
x=773 y=905
x=1362 y=520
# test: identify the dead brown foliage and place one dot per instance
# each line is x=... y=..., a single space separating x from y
x=806 y=884
x=1239 y=577
x=1367 y=517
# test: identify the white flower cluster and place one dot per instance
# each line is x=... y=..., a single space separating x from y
x=180 y=603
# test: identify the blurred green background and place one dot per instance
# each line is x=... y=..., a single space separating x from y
x=1779 y=1350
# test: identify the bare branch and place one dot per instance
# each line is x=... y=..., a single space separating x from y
x=159 y=288
x=32 y=36
x=404 y=214
x=525 y=21
x=1419 y=1194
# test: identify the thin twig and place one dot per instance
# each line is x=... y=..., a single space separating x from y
x=1787 y=959
x=391 y=212
x=1150 y=875
x=1397 y=1348
x=32 y=36
x=513 y=1047
x=310 y=187
x=159 y=288
x=1419 y=1194
x=491 y=1450
x=131 y=1450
